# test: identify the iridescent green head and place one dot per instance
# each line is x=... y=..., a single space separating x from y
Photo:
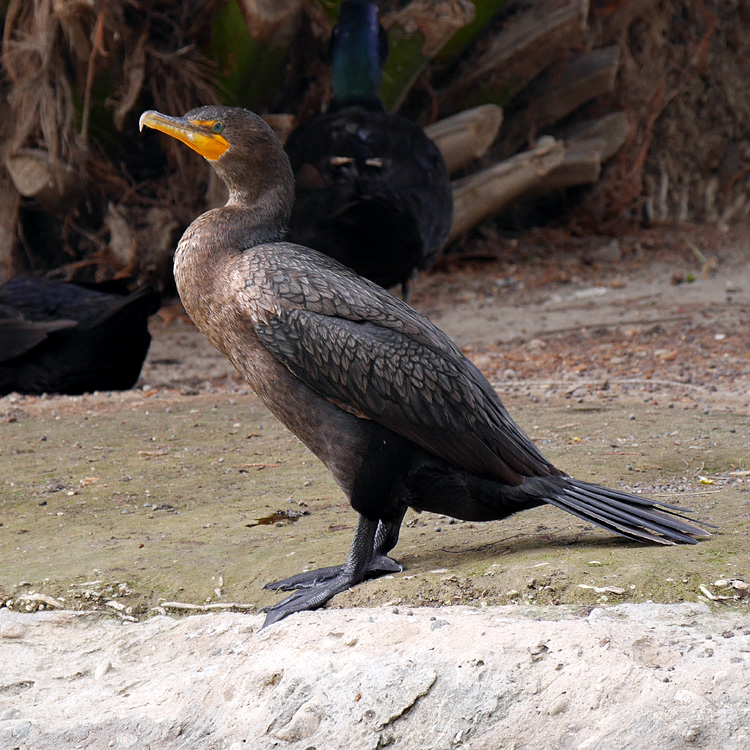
x=358 y=50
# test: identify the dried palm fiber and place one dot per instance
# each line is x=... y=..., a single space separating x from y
x=77 y=73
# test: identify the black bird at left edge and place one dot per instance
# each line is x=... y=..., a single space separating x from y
x=66 y=337
x=398 y=415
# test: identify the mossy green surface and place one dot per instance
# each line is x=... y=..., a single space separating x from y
x=168 y=498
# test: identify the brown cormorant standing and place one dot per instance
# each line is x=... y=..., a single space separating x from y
x=60 y=337
x=384 y=398
x=372 y=190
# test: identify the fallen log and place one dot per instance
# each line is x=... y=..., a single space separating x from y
x=582 y=165
x=613 y=129
x=485 y=193
x=530 y=42
x=35 y=174
x=590 y=145
x=558 y=92
x=466 y=136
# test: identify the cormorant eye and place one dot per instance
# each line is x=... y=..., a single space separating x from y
x=217 y=127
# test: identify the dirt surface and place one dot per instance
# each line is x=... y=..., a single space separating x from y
x=627 y=361
x=187 y=490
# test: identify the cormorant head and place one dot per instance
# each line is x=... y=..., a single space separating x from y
x=239 y=145
x=359 y=46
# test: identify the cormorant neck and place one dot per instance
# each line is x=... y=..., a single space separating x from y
x=261 y=191
x=358 y=49
x=263 y=219
x=261 y=196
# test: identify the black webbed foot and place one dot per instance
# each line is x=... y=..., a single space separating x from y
x=379 y=566
x=367 y=559
x=311 y=597
x=306 y=580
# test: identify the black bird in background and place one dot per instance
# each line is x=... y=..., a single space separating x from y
x=60 y=337
x=384 y=398
x=372 y=190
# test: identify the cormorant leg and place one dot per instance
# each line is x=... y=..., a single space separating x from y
x=386 y=538
x=350 y=573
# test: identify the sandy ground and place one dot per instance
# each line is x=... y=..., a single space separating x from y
x=627 y=360
x=666 y=309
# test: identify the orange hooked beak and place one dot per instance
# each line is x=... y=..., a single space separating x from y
x=203 y=136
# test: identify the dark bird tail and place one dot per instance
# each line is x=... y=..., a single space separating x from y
x=631 y=516
x=436 y=488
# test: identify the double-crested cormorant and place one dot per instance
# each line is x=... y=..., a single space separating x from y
x=60 y=337
x=389 y=404
x=372 y=189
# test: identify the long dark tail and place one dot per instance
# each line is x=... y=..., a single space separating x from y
x=441 y=489
x=631 y=516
